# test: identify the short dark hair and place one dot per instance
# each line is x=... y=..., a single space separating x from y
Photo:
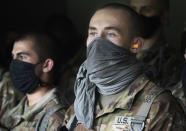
x=43 y=45
x=136 y=25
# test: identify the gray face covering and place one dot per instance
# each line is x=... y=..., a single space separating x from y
x=107 y=69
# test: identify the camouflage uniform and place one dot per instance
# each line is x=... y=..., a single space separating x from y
x=25 y=118
x=10 y=97
x=161 y=61
x=178 y=92
x=165 y=113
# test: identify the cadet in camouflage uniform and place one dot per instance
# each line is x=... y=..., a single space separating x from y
x=112 y=93
x=156 y=53
x=31 y=71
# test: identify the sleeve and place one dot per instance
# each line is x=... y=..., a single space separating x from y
x=165 y=115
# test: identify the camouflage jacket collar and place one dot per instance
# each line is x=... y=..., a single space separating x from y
x=21 y=113
x=125 y=98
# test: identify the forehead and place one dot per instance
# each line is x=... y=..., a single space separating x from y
x=144 y=3
x=109 y=17
x=23 y=45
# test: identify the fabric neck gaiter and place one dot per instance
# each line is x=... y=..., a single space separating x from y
x=23 y=76
x=108 y=69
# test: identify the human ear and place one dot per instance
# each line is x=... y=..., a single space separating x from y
x=137 y=44
x=48 y=65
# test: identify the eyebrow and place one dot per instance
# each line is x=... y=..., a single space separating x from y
x=106 y=28
x=21 y=53
x=92 y=28
x=113 y=28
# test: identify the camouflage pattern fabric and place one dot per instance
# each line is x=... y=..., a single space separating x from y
x=9 y=97
x=165 y=66
x=24 y=118
x=161 y=61
x=178 y=92
x=165 y=113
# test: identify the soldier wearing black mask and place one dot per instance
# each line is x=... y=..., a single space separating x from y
x=31 y=71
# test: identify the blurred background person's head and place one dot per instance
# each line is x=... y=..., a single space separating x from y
x=63 y=31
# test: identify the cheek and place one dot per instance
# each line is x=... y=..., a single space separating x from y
x=89 y=39
x=185 y=55
x=38 y=70
x=115 y=41
x=119 y=42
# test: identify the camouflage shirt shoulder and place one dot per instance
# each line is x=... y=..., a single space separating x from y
x=25 y=118
x=118 y=112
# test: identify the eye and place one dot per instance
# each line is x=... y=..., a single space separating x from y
x=22 y=57
x=92 y=34
x=111 y=34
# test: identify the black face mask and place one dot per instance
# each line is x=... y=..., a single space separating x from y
x=183 y=78
x=23 y=76
x=151 y=24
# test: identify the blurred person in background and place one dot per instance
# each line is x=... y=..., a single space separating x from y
x=71 y=52
x=163 y=61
